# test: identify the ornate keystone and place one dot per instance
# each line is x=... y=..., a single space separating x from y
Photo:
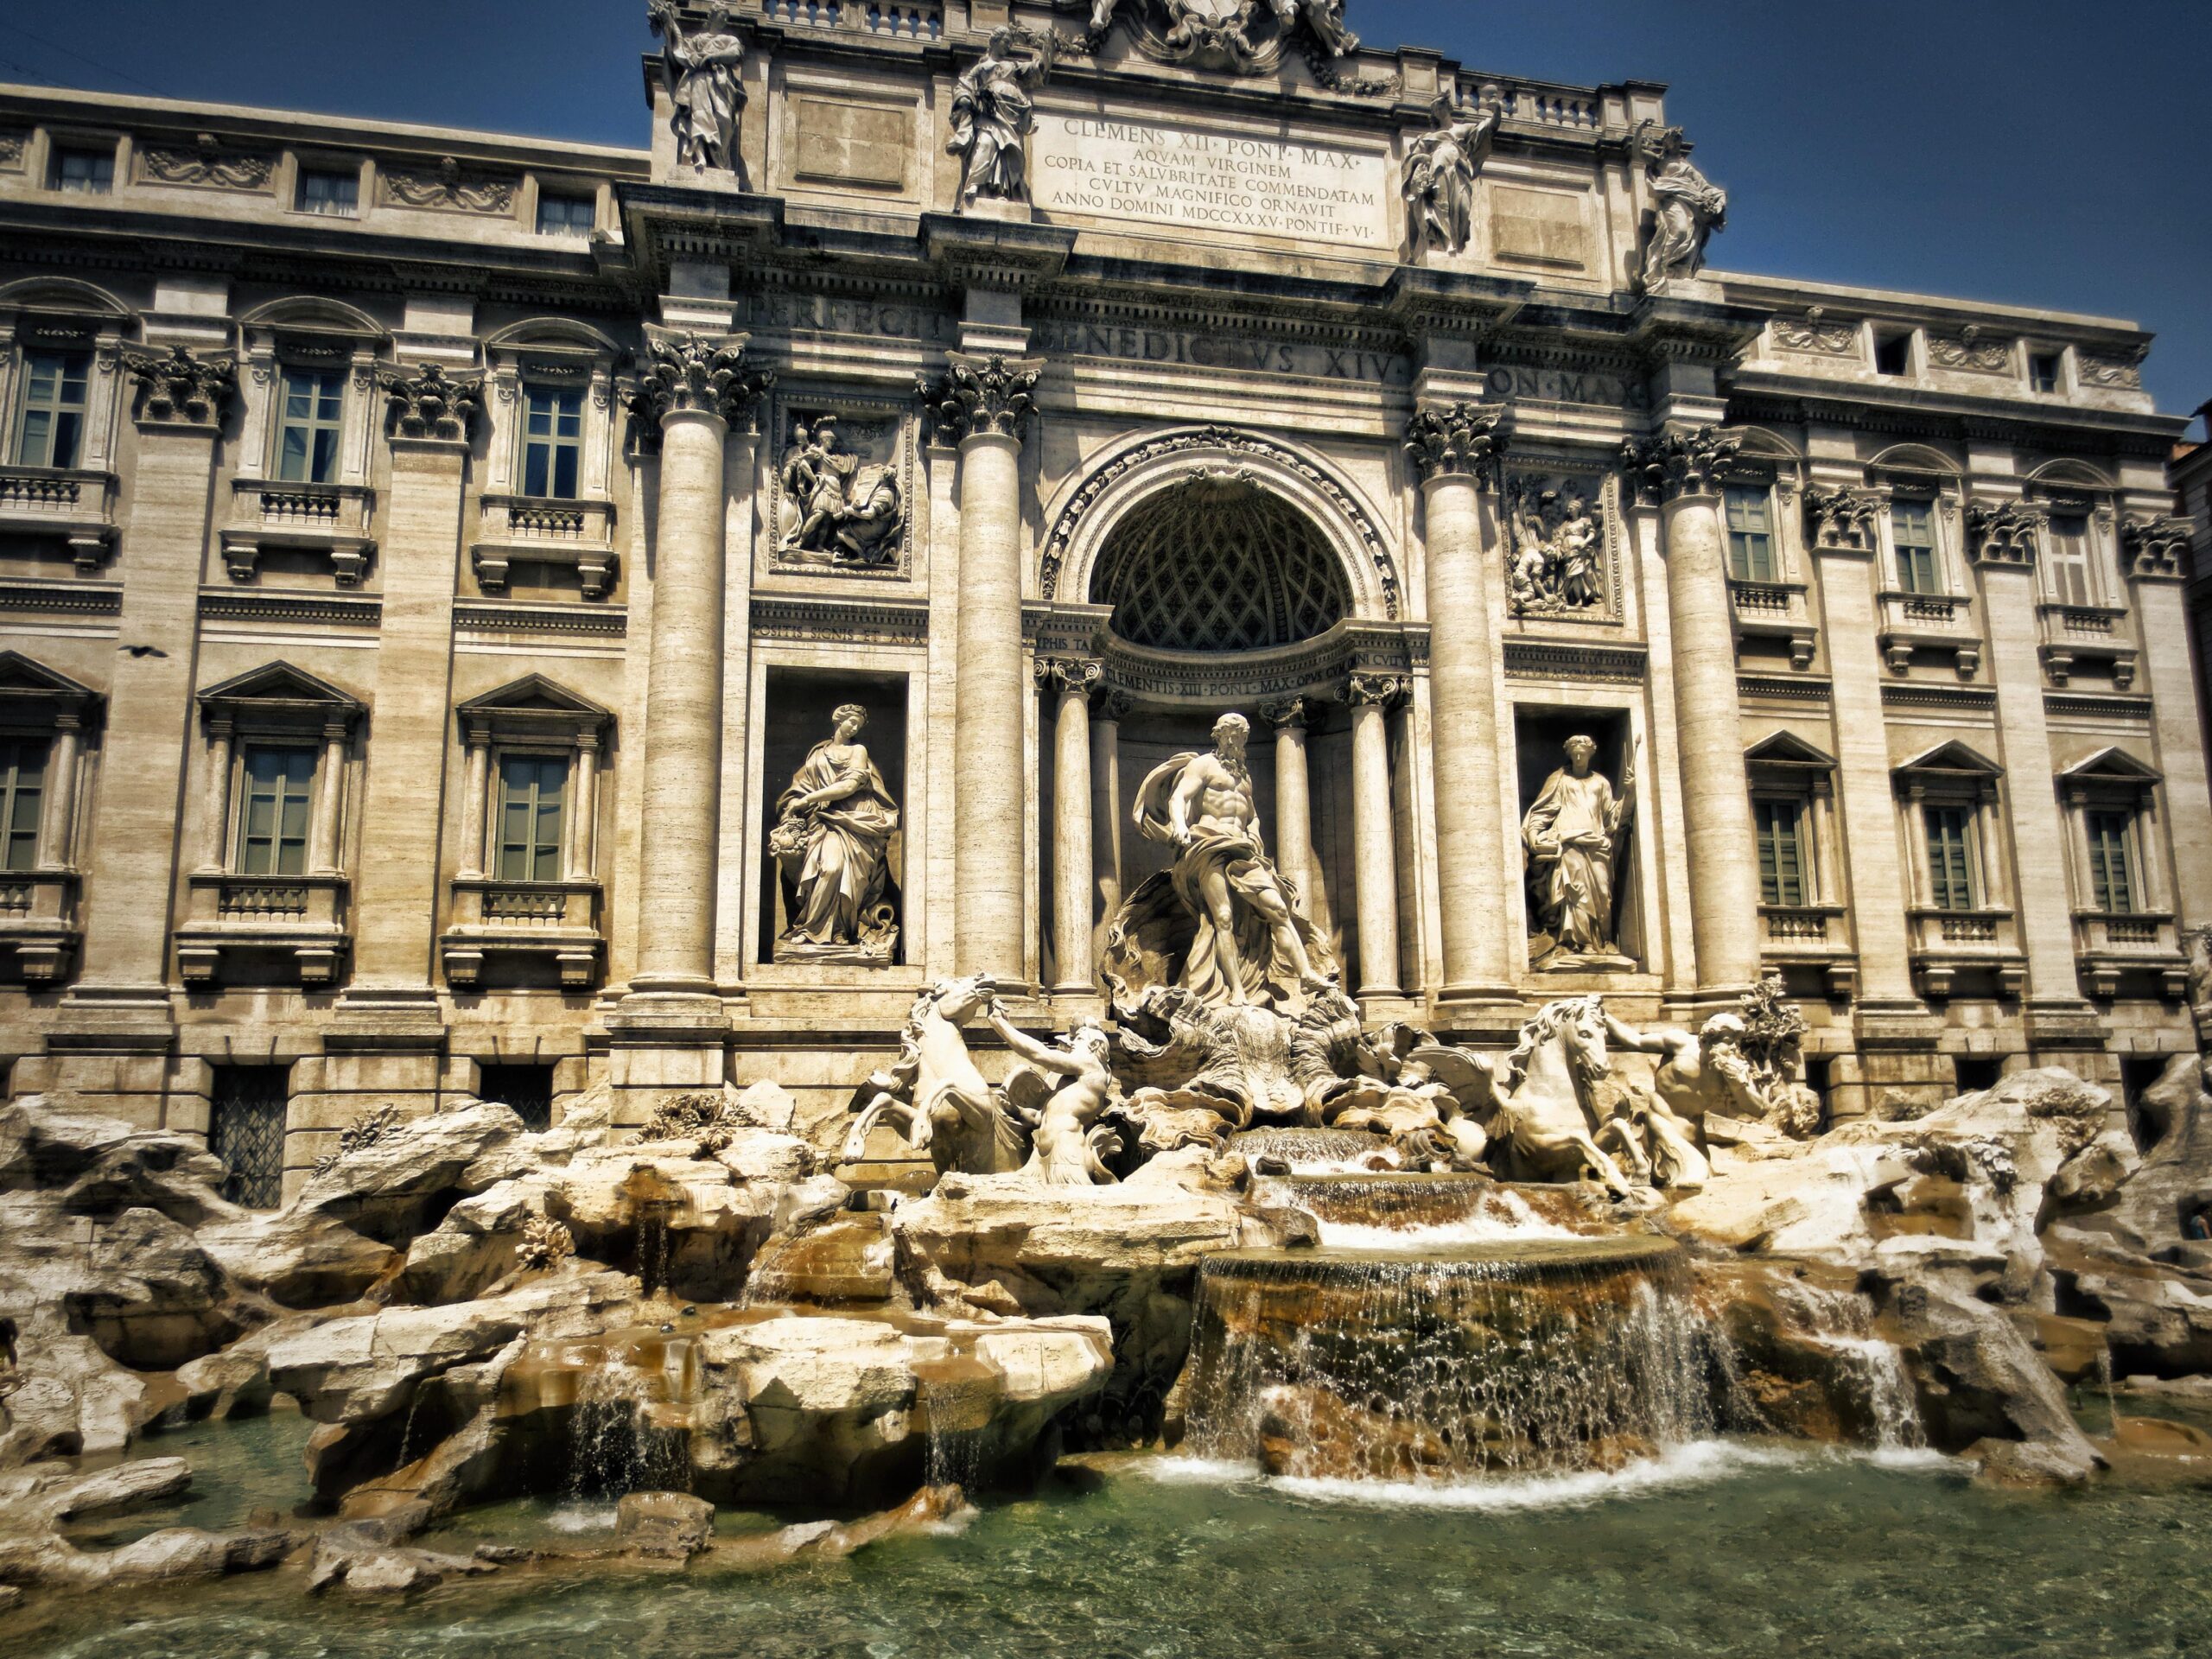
x=977 y=396
x=1677 y=464
x=1841 y=519
x=180 y=387
x=1080 y=675
x=1457 y=439
x=704 y=374
x=431 y=404
x=1383 y=691
x=2003 y=533
x=2158 y=549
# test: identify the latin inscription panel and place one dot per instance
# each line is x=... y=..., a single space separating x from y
x=1180 y=176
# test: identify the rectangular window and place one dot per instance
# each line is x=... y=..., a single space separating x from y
x=336 y=195
x=84 y=172
x=1950 y=866
x=2043 y=370
x=1893 y=354
x=22 y=795
x=1913 y=525
x=306 y=450
x=553 y=445
x=565 y=215
x=51 y=430
x=1782 y=852
x=2066 y=562
x=247 y=1121
x=277 y=786
x=533 y=797
x=2111 y=870
x=1751 y=536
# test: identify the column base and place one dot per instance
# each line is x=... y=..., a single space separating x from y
x=672 y=1009
x=1489 y=1016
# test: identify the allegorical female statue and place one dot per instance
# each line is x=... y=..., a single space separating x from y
x=832 y=846
x=1439 y=179
x=993 y=108
x=1689 y=207
x=701 y=72
x=1571 y=834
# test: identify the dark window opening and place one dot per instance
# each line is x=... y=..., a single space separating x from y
x=2043 y=371
x=1893 y=354
x=245 y=1129
x=527 y=1089
x=1979 y=1072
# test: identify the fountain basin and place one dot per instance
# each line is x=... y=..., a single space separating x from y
x=1438 y=1362
x=1314 y=1151
x=1358 y=1205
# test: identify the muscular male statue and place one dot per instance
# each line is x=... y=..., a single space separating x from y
x=1248 y=935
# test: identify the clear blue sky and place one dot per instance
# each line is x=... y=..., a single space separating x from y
x=2042 y=152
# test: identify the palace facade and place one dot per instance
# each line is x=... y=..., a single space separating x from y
x=481 y=615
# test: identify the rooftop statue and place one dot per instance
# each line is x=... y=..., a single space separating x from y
x=1689 y=207
x=993 y=108
x=1439 y=179
x=1220 y=922
x=700 y=71
x=1244 y=36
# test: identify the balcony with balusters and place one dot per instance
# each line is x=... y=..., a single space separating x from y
x=1775 y=610
x=253 y=929
x=520 y=529
x=330 y=520
x=69 y=504
x=2074 y=634
x=1980 y=946
x=1937 y=624
x=520 y=924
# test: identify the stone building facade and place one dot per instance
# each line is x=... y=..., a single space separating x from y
x=433 y=566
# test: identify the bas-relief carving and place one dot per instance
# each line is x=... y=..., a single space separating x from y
x=993 y=107
x=14 y=146
x=1241 y=36
x=446 y=188
x=1817 y=335
x=839 y=500
x=1555 y=554
x=700 y=71
x=1687 y=208
x=1572 y=834
x=2122 y=373
x=1439 y=177
x=832 y=849
x=1969 y=351
x=207 y=162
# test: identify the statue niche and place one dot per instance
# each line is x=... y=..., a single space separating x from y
x=840 y=502
x=1574 y=837
x=831 y=847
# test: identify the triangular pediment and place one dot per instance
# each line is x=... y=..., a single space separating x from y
x=1954 y=756
x=2111 y=765
x=1788 y=749
x=21 y=677
x=278 y=684
x=534 y=694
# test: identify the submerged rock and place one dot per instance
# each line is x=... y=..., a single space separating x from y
x=665 y=1523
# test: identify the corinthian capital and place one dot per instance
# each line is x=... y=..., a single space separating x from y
x=1458 y=438
x=431 y=404
x=181 y=387
x=977 y=396
x=2158 y=549
x=688 y=374
x=2004 y=533
x=1677 y=464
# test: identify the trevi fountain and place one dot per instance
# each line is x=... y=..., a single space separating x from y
x=1259 y=960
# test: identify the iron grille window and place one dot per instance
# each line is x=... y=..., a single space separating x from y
x=1782 y=852
x=553 y=445
x=2111 y=867
x=245 y=1129
x=22 y=794
x=308 y=444
x=273 y=812
x=1950 y=863
x=527 y=1089
x=1913 y=526
x=533 y=798
x=1751 y=536
x=50 y=430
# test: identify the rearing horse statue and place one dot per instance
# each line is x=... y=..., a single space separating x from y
x=935 y=1095
x=1542 y=1125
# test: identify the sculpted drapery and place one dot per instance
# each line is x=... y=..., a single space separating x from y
x=1570 y=834
x=833 y=840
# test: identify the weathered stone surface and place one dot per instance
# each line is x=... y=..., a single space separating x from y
x=174 y=1553
x=663 y=1523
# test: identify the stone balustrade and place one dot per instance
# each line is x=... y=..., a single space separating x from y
x=1776 y=610
x=1937 y=624
x=247 y=928
x=2076 y=633
x=577 y=535
x=1983 y=942
x=77 y=505
x=332 y=520
x=532 y=932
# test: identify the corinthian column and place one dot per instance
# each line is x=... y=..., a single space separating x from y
x=1685 y=470
x=696 y=388
x=984 y=402
x=1375 y=856
x=1293 y=832
x=1073 y=679
x=1452 y=450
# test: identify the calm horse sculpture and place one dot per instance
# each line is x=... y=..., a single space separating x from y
x=936 y=1097
x=1542 y=1126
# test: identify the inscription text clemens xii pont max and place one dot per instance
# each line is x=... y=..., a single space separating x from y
x=1214 y=179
